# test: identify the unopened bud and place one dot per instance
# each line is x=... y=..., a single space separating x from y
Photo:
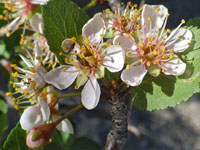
x=40 y=136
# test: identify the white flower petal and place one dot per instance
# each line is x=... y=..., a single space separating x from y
x=134 y=75
x=91 y=93
x=161 y=15
x=36 y=23
x=39 y=77
x=148 y=26
x=174 y=67
x=44 y=108
x=39 y=2
x=64 y=125
x=31 y=118
x=93 y=30
x=179 y=44
x=125 y=43
x=61 y=79
x=114 y=59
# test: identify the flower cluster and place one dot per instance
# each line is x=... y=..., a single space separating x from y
x=109 y=40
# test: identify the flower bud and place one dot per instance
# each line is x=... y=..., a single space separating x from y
x=40 y=135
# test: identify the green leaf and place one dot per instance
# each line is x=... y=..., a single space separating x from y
x=3 y=51
x=16 y=139
x=62 y=19
x=3 y=123
x=83 y=143
x=3 y=106
x=168 y=91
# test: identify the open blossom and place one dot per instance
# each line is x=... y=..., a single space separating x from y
x=30 y=79
x=87 y=63
x=19 y=11
x=128 y=21
x=155 y=49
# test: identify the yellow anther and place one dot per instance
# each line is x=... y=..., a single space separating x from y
x=60 y=53
x=127 y=66
x=128 y=54
x=172 y=52
x=149 y=18
x=18 y=100
x=171 y=56
x=136 y=10
x=118 y=5
x=141 y=45
x=107 y=44
x=17 y=107
x=5 y=11
x=86 y=74
x=73 y=39
x=26 y=92
x=180 y=36
x=163 y=70
x=11 y=82
x=1 y=17
x=189 y=44
x=100 y=63
x=164 y=56
x=107 y=10
x=183 y=21
x=141 y=60
x=16 y=89
x=80 y=75
x=77 y=66
x=138 y=18
x=103 y=28
x=32 y=103
x=118 y=43
x=116 y=12
x=135 y=5
x=102 y=35
x=157 y=10
x=81 y=56
x=87 y=40
x=14 y=74
x=13 y=99
x=167 y=15
x=14 y=85
x=8 y=94
x=22 y=47
x=168 y=31
x=138 y=26
x=155 y=52
x=27 y=132
x=1 y=32
x=64 y=69
x=142 y=52
x=50 y=140
x=25 y=41
x=95 y=56
x=13 y=65
x=156 y=60
x=66 y=59
x=128 y=36
x=75 y=87
x=32 y=70
x=148 y=63
x=7 y=34
x=100 y=15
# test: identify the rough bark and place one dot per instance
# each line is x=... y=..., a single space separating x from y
x=119 y=130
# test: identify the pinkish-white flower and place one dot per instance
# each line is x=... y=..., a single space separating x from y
x=155 y=49
x=87 y=62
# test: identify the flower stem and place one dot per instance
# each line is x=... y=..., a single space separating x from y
x=91 y=4
x=69 y=113
x=69 y=95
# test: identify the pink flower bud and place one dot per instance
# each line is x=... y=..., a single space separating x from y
x=40 y=135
